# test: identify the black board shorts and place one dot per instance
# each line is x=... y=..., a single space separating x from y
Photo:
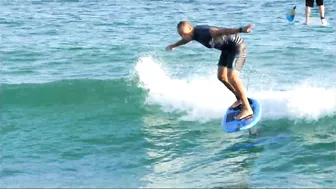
x=233 y=59
x=310 y=3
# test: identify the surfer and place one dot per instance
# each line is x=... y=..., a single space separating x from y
x=233 y=55
x=310 y=4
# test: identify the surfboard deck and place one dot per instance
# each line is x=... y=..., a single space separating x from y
x=229 y=124
x=315 y=21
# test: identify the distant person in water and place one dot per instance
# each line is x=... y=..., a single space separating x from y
x=310 y=4
x=232 y=58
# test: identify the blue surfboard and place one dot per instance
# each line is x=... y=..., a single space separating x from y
x=291 y=14
x=229 y=124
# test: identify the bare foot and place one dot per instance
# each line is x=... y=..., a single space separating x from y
x=245 y=113
x=236 y=104
x=324 y=22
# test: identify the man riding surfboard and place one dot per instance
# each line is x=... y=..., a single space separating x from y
x=232 y=58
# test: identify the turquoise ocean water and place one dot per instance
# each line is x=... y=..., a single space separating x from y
x=90 y=97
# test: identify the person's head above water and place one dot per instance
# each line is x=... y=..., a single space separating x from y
x=185 y=30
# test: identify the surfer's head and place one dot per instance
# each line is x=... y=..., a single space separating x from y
x=185 y=30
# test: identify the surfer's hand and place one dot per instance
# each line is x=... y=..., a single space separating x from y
x=248 y=28
x=170 y=47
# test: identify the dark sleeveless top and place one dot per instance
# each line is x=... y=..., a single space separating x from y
x=225 y=42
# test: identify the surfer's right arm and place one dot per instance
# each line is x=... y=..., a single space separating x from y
x=179 y=43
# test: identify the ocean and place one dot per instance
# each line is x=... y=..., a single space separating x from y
x=91 y=98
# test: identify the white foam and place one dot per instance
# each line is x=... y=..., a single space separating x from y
x=205 y=98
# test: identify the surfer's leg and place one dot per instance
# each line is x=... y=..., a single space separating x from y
x=233 y=76
x=222 y=76
x=309 y=4
x=246 y=110
x=321 y=7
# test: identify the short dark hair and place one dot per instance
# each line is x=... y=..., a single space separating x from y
x=181 y=23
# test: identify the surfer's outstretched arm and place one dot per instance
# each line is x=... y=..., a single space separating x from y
x=216 y=32
x=179 y=43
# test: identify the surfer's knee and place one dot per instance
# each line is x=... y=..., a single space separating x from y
x=232 y=75
x=223 y=78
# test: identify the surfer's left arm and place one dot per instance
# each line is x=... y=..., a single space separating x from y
x=216 y=32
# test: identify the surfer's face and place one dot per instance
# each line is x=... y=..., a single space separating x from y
x=186 y=32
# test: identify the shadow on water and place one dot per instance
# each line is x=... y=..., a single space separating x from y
x=257 y=139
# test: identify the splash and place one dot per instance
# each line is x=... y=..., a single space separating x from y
x=205 y=98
